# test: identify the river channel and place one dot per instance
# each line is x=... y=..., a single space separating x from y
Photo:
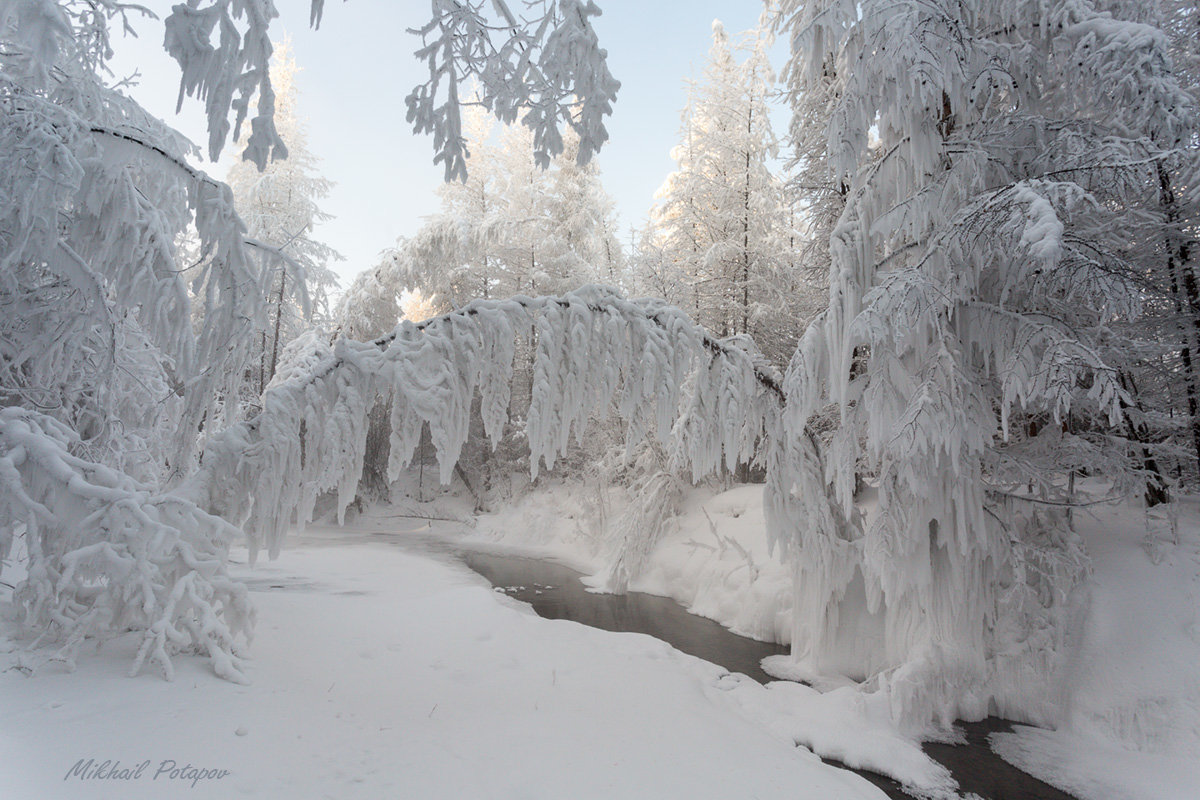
x=556 y=592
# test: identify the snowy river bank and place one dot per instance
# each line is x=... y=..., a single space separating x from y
x=383 y=667
x=557 y=592
x=383 y=673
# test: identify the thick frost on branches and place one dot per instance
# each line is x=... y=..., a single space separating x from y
x=279 y=205
x=96 y=195
x=539 y=70
x=108 y=555
x=227 y=74
x=593 y=351
x=114 y=353
x=989 y=162
x=108 y=330
x=543 y=67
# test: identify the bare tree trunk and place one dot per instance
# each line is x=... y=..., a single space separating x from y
x=262 y=363
x=742 y=473
x=278 y=320
x=1186 y=294
x=746 y=229
x=1156 y=486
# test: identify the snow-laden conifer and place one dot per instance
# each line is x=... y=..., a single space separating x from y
x=991 y=156
x=721 y=228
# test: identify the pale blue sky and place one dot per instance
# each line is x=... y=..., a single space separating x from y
x=358 y=68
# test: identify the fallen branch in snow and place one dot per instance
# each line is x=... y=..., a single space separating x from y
x=424 y=516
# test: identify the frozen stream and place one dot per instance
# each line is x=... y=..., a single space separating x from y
x=556 y=592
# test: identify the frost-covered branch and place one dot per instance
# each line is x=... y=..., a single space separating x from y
x=229 y=73
x=592 y=351
x=107 y=555
x=541 y=70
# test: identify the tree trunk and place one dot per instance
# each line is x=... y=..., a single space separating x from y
x=278 y=320
x=262 y=363
x=1186 y=294
x=1156 y=486
x=746 y=230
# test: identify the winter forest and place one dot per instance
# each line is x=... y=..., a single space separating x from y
x=896 y=378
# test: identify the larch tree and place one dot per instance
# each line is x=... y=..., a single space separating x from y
x=814 y=197
x=369 y=307
x=279 y=207
x=511 y=226
x=584 y=216
x=721 y=216
x=993 y=157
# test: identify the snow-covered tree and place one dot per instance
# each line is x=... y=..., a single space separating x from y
x=993 y=159
x=105 y=382
x=720 y=220
x=370 y=306
x=814 y=198
x=108 y=378
x=584 y=219
x=279 y=207
x=1171 y=240
x=512 y=226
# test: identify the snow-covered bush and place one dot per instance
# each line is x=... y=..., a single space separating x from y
x=654 y=493
x=108 y=554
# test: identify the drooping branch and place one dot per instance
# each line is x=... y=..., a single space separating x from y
x=717 y=347
x=542 y=71
x=593 y=350
x=108 y=555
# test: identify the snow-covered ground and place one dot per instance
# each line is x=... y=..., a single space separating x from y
x=380 y=673
x=387 y=671
x=1133 y=725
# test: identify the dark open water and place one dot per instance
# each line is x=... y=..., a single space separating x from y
x=556 y=592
